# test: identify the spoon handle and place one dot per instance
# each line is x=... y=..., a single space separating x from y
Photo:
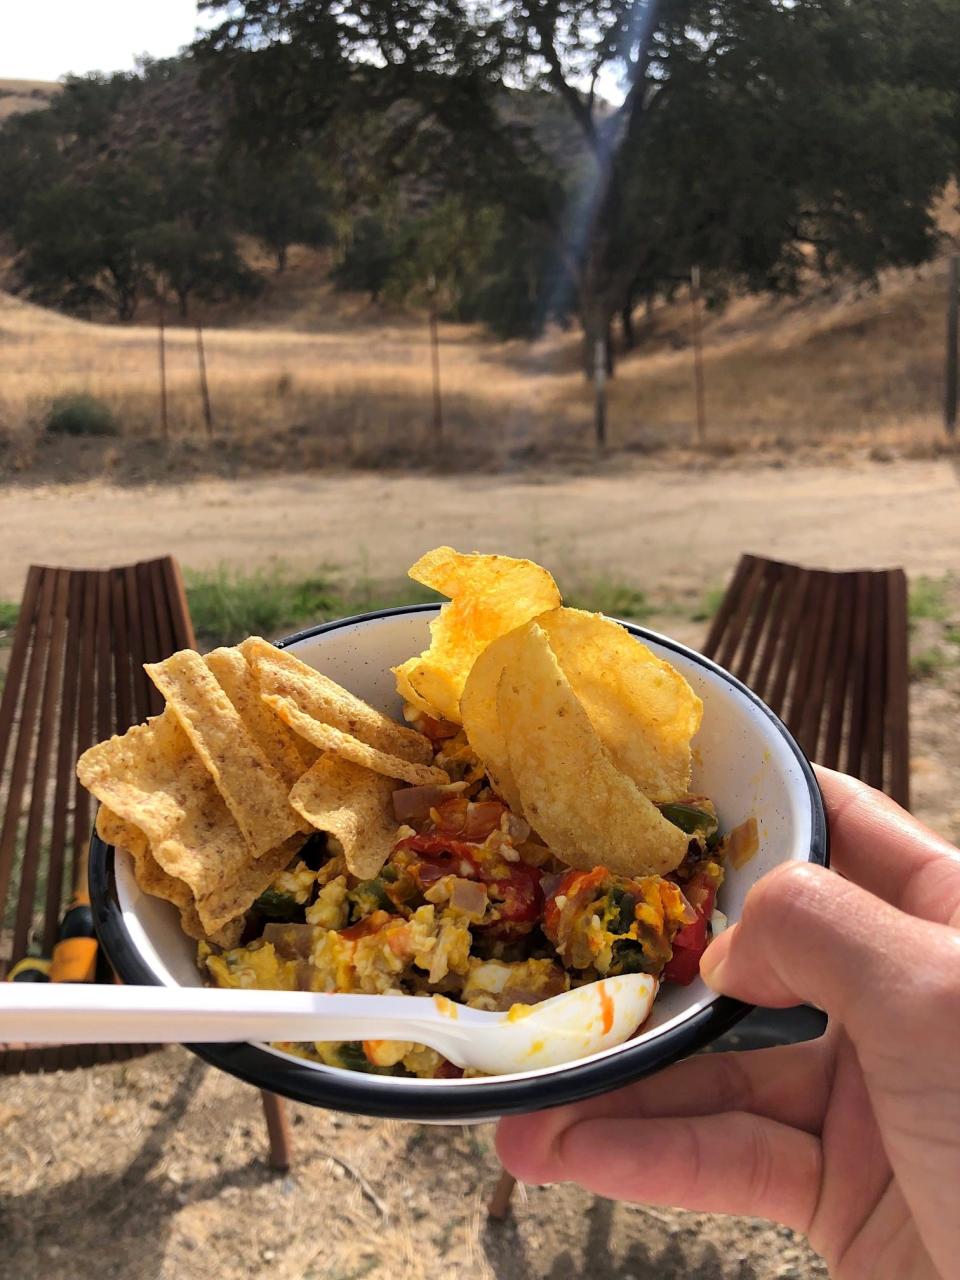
x=64 y=1013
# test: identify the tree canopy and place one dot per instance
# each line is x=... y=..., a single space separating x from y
x=757 y=140
x=517 y=162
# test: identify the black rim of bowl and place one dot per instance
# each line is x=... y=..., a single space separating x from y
x=392 y=1098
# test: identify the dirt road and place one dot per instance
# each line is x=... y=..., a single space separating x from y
x=655 y=527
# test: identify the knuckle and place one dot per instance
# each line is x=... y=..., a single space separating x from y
x=758 y=1161
x=788 y=888
x=690 y=1150
x=936 y=987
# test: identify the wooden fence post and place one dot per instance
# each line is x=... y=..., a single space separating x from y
x=204 y=389
x=435 y=363
x=600 y=388
x=695 y=303
x=164 y=422
x=953 y=302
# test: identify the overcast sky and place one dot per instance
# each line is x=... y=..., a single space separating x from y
x=46 y=39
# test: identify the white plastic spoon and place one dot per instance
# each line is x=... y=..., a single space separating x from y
x=569 y=1026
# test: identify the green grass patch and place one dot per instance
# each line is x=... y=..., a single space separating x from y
x=708 y=605
x=930 y=663
x=227 y=605
x=616 y=599
x=928 y=600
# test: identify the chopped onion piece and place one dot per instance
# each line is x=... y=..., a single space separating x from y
x=469 y=897
x=742 y=843
x=690 y=913
x=416 y=802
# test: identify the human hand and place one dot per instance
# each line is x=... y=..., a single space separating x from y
x=853 y=1139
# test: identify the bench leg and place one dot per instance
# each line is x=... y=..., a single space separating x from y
x=499 y=1205
x=278 y=1130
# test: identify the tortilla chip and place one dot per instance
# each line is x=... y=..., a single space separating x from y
x=481 y=721
x=152 y=777
x=234 y=897
x=328 y=738
x=253 y=790
x=643 y=710
x=113 y=829
x=587 y=811
x=237 y=679
x=353 y=804
x=152 y=879
x=280 y=673
x=489 y=596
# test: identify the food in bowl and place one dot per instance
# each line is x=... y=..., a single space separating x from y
x=528 y=828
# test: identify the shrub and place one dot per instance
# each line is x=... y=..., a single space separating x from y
x=80 y=415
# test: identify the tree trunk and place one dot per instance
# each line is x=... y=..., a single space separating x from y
x=596 y=327
x=281 y=259
x=626 y=324
x=183 y=296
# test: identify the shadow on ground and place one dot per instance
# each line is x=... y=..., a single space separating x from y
x=510 y=1257
x=77 y=1226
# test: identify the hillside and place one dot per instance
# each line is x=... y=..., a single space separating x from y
x=18 y=96
x=310 y=377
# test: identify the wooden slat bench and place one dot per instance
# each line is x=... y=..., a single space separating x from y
x=828 y=653
x=75 y=676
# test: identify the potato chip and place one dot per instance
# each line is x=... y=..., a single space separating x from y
x=489 y=596
x=481 y=721
x=587 y=811
x=253 y=790
x=232 y=898
x=152 y=777
x=329 y=738
x=237 y=679
x=152 y=879
x=353 y=804
x=280 y=673
x=643 y=710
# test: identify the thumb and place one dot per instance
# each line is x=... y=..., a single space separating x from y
x=808 y=936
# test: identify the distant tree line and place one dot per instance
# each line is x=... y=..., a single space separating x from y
x=517 y=162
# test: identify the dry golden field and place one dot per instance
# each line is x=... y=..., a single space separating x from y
x=17 y=96
x=306 y=377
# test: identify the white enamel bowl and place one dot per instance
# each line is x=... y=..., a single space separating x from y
x=744 y=759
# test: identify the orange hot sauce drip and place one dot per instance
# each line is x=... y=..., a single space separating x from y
x=606 y=1008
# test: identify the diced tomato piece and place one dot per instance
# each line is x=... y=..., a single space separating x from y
x=690 y=942
x=467 y=819
x=520 y=900
x=573 y=884
x=447 y=1071
x=516 y=896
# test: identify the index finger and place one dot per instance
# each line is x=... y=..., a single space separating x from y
x=880 y=847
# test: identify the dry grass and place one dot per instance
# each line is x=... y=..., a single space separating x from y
x=307 y=378
x=17 y=96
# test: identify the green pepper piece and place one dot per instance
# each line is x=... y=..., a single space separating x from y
x=369 y=896
x=689 y=818
x=353 y=1058
x=278 y=906
x=629 y=957
x=623 y=910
